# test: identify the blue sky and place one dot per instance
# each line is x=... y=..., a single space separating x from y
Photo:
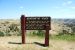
x=13 y=9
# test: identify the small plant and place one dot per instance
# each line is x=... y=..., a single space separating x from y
x=13 y=27
x=19 y=34
x=39 y=33
x=8 y=34
x=1 y=34
x=34 y=33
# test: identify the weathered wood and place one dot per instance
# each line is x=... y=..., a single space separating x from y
x=23 y=28
x=40 y=23
x=47 y=36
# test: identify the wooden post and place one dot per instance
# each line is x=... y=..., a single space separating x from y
x=47 y=28
x=47 y=36
x=23 y=28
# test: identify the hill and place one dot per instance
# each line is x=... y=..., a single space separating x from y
x=13 y=27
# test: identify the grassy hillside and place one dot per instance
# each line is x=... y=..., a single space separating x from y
x=13 y=27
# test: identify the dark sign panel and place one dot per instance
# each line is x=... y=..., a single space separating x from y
x=37 y=23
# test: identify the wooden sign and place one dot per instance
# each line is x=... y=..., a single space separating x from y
x=36 y=23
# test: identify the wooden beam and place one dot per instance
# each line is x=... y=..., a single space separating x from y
x=23 y=25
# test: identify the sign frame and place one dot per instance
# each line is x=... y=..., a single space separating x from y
x=46 y=27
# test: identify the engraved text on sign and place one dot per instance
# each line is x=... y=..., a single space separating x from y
x=37 y=23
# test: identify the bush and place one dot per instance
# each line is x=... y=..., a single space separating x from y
x=13 y=27
x=39 y=33
x=1 y=34
x=18 y=34
x=8 y=34
x=67 y=37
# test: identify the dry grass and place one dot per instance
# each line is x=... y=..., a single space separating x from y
x=8 y=43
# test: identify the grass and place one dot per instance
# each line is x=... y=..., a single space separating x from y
x=39 y=34
x=66 y=37
x=63 y=36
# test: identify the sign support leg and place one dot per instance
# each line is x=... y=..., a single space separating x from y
x=47 y=37
x=23 y=37
x=23 y=28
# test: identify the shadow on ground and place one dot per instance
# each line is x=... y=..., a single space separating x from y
x=19 y=43
x=40 y=44
x=14 y=43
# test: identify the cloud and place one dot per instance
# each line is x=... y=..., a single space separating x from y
x=64 y=4
x=67 y=3
x=56 y=7
x=21 y=7
x=73 y=7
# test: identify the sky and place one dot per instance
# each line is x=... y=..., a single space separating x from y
x=13 y=9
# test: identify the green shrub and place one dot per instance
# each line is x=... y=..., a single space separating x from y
x=39 y=33
x=8 y=34
x=34 y=33
x=1 y=33
x=67 y=37
x=18 y=34
x=14 y=28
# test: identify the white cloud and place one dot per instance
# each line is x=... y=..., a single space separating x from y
x=56 y=7
x=21 y=7
x=67 y=3
x=73 y=7
x=64 y=4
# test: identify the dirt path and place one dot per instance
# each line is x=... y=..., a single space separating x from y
x=13 y=43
